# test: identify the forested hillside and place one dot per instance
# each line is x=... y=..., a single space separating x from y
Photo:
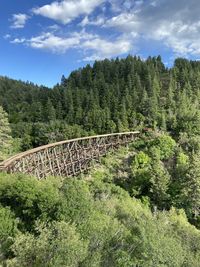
x=110 y=96
x=138 y=207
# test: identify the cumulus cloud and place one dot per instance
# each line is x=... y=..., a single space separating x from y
x=93 y=46
x=174 y=23
x=67 y=10
x=50 y=41
x=106 y=49
x=125 y=22
x=120 y=24
x=19 y=21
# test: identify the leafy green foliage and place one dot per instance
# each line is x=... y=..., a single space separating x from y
x=166 y=146
x=140 y=169
x=55 y=245
x=191 y=189
x=90 y=223
x=159 y=183
x=28 y=199
x=76 y=204
x=8 y=229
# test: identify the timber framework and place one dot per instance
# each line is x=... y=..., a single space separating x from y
x=66 y=158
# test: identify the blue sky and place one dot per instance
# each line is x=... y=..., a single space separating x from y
x=41 y=40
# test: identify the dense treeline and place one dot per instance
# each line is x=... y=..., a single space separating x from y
x=32 y=116
x=124 y=94
x=110 y=96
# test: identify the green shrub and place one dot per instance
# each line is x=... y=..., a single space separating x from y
x=28 y=198
x=166 y=145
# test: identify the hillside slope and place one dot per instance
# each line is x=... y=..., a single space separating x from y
x=95 y=220
x=110 y=96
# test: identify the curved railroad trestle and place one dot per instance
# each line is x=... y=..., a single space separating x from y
x=65 y=158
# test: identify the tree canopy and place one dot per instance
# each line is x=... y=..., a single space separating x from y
x=109 y=96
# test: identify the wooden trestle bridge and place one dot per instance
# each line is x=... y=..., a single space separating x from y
x=66 y=158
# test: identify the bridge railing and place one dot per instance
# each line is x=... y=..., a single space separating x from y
x=65 y=158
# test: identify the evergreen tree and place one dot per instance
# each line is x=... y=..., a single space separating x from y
x=59 y=111
x=50 y=113
x=5 y=135
x=191 y=190
x=159 y=180
x=163 y=125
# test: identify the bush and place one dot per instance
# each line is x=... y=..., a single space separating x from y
x=166 y=145
x=8 y=229
x=57 y=244
x=28 y=198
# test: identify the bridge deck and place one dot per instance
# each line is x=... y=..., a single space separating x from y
x=65 y=158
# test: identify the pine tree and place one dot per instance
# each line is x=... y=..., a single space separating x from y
x=191 y=190
x=63 y=81
x=163 y=125
x=144 y=103
x=59 y=111
x=170 y=103
x=123 y=114
x=50 y=113
x=153 y=101
x=5 y=135
x=159 y=180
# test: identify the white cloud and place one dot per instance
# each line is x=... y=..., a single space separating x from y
x=124 y=5
x=106 y=49
x=49 y=41
x=125 y=22
x=18 y=41
x=121 y=24
x=56 y=44
x=67 y=10
x=84 y=22
x=174 y=23
x=95 y=22
x=53 y=27
x=91 y=45
x=19 y=21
